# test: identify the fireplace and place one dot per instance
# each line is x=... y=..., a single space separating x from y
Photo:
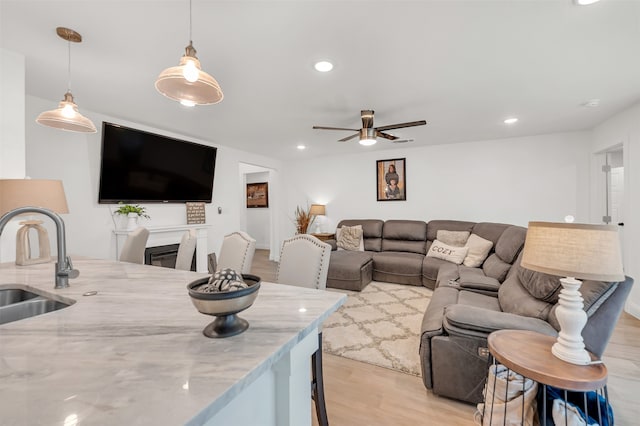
x=165 y=256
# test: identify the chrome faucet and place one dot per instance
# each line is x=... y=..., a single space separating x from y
x=64 y=267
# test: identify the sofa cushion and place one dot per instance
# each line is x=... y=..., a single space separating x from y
x=371 y=230
x=450 y=225
x=453 y=238
x=479 y=249
x=446 y=252
x=447 y=274
x=496 y=267
x=350 y=238
x=515 y=299
x=542 y=286
x=510 y=243
x=431 y=266
x=398 y=267
x=404 y=235
x=471 y=298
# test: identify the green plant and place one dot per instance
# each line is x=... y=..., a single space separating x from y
x=125 y=209
x=303 y=219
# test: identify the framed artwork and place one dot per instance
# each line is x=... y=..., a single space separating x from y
x=258 y=195
x=391 y=182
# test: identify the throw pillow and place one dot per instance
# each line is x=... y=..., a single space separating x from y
x=444 y=251
x=453 y=238
x=542 y=286
x=350 y=238
x=479 y=249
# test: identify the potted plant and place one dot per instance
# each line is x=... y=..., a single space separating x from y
x=303 y=219
x=132 y=212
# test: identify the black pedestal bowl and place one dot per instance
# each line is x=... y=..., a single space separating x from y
x=224 y=306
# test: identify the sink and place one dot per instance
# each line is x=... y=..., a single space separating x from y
x=19 y=303
x=9 y=296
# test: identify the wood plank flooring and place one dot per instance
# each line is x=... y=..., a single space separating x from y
x=360 y=394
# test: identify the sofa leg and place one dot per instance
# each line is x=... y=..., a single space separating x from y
x=317 y=384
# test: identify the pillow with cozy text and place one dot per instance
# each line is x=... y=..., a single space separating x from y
x=444 y=251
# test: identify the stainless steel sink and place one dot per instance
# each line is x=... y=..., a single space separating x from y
x=19 y=303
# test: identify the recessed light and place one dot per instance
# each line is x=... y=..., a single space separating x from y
x=301 y=147
x=511 y=120
x=591 y=103
x=585 y=2
x=323 y=66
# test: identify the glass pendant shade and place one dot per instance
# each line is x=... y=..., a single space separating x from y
x=188 y=84
x=67 y=117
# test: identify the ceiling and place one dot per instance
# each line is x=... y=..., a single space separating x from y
x=464 y=66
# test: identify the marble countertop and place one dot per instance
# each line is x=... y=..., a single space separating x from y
x=134 y=353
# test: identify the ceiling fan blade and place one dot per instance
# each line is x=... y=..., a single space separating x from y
x=334 y=128
x=367 y=118
x=385 y=135
x=348 y=138
x=401 y=125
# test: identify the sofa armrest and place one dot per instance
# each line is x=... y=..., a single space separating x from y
x=333 y=244
x=432 y=320
x=471 y=320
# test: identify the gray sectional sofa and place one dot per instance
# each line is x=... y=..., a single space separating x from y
x=468 y=303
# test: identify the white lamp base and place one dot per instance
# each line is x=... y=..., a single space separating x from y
x=572 y=318
x=23 y=246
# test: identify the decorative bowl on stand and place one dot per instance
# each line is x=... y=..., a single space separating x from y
x=224 y=305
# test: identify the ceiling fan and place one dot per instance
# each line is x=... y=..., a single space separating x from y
x=368 y=133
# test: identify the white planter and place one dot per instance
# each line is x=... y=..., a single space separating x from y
x=132 y=221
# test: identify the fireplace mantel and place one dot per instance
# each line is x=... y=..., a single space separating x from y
x=164 y=235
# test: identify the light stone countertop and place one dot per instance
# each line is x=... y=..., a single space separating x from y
x=134 y=353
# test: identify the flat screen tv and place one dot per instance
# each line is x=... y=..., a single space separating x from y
x=143 y=167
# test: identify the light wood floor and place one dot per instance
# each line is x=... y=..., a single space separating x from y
x=360 y=394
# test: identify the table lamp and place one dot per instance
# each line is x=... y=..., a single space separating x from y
x=48 y=194
x=317 y=210
x=576 y=251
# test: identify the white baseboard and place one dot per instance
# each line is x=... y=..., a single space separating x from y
x=633 y=309
x=262 y=246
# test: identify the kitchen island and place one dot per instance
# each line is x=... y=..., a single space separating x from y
x=133 y=353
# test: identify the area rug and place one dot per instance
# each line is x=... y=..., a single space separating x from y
x=379 y=325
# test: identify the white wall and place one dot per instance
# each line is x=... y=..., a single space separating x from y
x=622 y=129
x=258 y=219
x=509 y=180
x=75 y=158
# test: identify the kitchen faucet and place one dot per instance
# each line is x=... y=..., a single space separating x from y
x=64 y=267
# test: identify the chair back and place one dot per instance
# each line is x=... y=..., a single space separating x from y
x=237 y=252
x=186 y=249
x=134 y=246
x=304 y=262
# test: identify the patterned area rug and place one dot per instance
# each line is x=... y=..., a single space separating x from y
x=380 y=326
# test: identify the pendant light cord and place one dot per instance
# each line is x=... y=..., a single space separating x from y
x=69 y=66
x=190 y=19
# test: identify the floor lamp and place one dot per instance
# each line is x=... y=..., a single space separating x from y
x=573 y=250
x=48 y=194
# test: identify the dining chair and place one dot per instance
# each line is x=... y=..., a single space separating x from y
x=187 y=247
x=236 y=253
x=134 y=246
x=304 y=262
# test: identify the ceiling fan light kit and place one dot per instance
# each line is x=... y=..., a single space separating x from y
x=368 y=134
x=66 y=116
x=187 y=83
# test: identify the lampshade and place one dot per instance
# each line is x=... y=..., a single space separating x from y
x=317 y=210
x=187 y=83
x=16 y=193
x=575 y=250
x=66 y=117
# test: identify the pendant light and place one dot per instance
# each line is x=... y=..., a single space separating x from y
x=66 y=116
x=187 y=83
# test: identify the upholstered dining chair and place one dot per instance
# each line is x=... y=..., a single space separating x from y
x=134 y=245
x=186 y=249
x=304 y=262
x=236 y=253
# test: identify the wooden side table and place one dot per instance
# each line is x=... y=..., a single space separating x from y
x=529 y=354
x=324 y=236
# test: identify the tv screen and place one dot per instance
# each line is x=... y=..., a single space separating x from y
x=138 y=166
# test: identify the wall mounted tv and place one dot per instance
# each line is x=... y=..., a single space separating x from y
x=143 y=167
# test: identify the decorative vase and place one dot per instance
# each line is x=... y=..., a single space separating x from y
x=132 y=221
